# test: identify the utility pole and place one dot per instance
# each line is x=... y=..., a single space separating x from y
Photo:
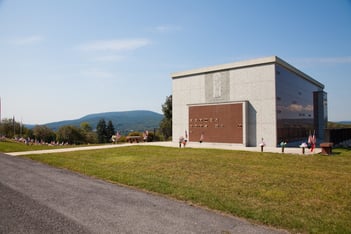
x=14 y=127
x=21 y=128
x=0 y=119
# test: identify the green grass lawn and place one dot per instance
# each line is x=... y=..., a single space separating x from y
x=13 y=146
x=309 y=194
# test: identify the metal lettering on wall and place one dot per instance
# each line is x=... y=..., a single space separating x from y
x=205 y=123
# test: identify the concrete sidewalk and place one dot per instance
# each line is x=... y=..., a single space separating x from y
x=288 y=150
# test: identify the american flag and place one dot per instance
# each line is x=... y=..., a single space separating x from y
x=312 y=140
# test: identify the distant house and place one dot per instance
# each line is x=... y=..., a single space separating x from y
x=243 y=102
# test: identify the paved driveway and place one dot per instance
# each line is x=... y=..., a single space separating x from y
x=35 y=198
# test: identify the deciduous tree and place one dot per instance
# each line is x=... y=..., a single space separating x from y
x=70 y=134
x=43 y=133
x=166 y=123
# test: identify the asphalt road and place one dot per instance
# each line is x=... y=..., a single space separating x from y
x=36 y=198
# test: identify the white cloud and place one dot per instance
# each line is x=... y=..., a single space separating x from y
x=114 y=45
x=166 y=28
x=30 y=40
x=299 y=108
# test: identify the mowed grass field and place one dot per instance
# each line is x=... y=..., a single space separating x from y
x=13 y=146
x=308 y=194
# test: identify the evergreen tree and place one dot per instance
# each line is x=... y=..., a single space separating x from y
x=110 y=130
x=101 y=131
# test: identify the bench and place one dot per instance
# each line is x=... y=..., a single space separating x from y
x=326 y=148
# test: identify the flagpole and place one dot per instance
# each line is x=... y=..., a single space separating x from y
x=0 y=111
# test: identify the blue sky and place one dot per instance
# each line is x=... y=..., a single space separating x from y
x=65 y=59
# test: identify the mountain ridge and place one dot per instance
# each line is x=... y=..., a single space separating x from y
x=123 y=121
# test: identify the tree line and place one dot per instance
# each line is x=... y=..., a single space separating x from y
x=68 y=134
x=84 y=134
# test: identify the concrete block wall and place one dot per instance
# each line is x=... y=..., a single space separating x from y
x=257 y=86
x=252 y=84
x=186 y=90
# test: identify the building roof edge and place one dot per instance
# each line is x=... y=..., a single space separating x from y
x=227 y=66
x=297 y=71
x=246 y=63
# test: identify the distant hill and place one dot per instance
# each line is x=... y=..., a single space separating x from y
x=341 y=124
x=125 y=121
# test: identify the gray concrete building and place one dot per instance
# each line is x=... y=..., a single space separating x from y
x=244 y=102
